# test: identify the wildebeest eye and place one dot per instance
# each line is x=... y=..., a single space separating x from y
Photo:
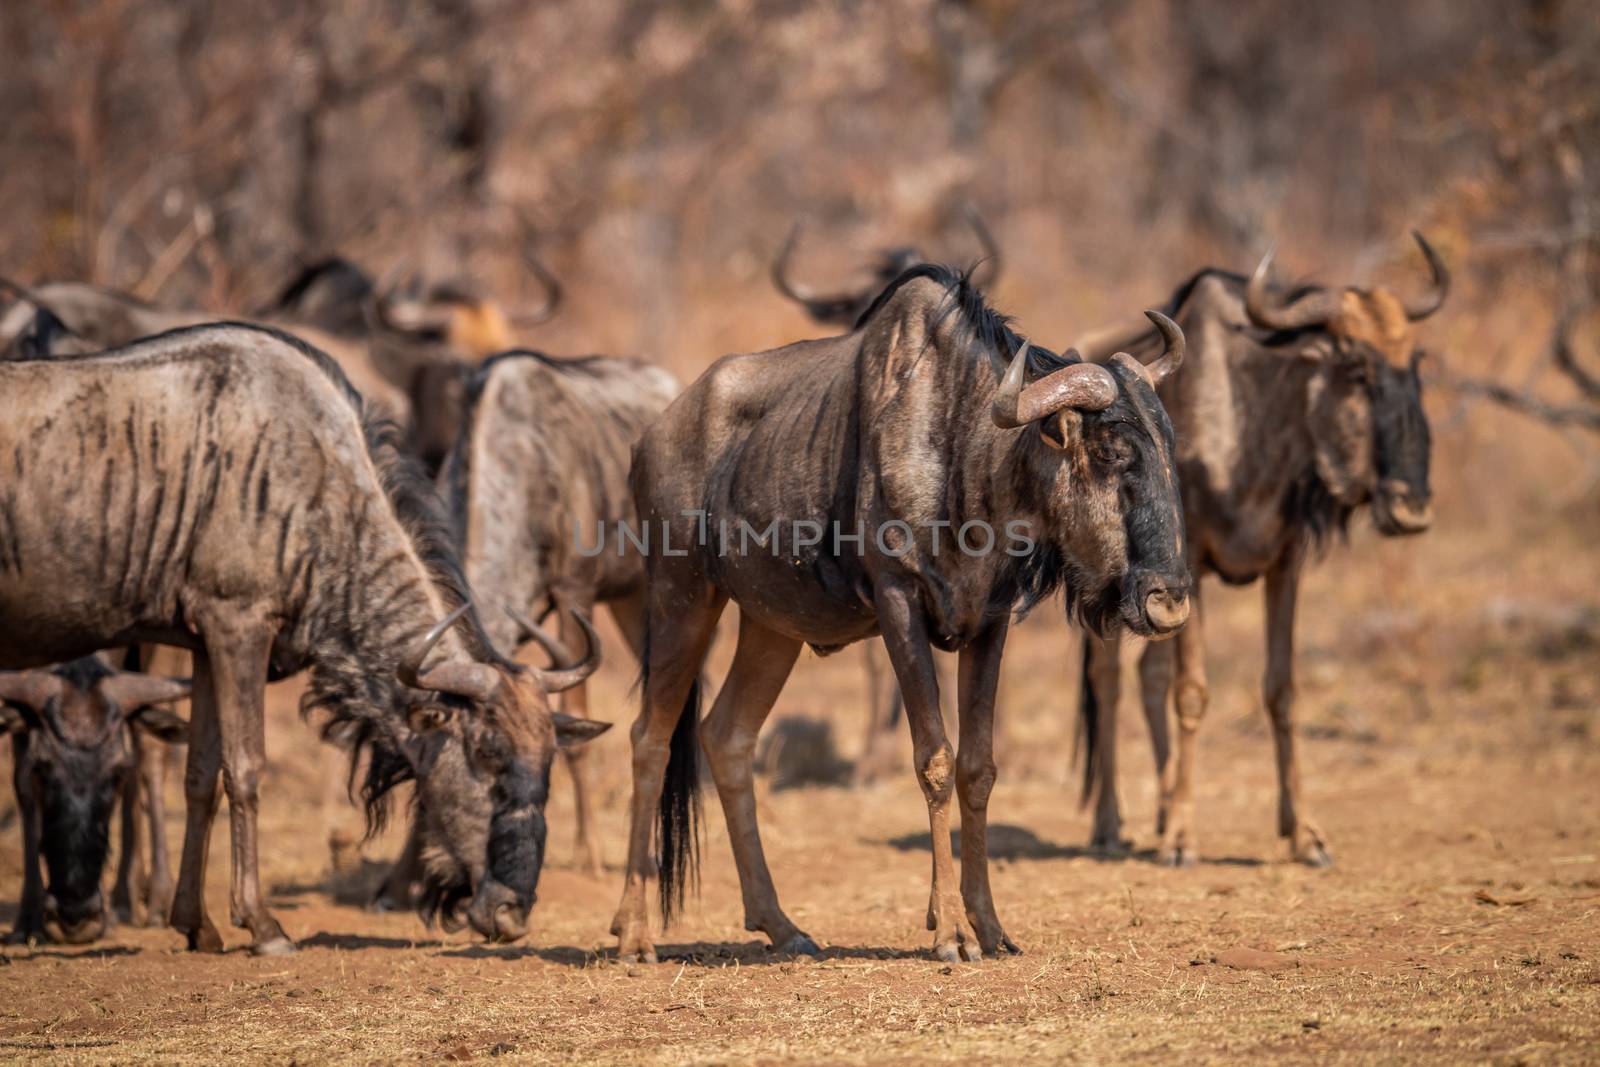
x=1110 y=450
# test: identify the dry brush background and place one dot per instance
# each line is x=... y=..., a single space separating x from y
x=197 y=153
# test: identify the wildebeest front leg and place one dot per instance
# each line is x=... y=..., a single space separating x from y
x=200 y=789
x=575 y=702
x=30 y=913
x=1103 y=674
x=905 y=636
x=760 y=667
x=682 y=622
x=130 y=866
x=975 y=777
x=238 y=646
x=1178 y=843
x=1155 y=690
x=1282 y=585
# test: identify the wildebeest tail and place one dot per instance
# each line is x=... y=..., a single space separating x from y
x=678 y=824
x=1087 y=742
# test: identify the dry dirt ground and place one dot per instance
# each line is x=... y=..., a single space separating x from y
x=1450 y=688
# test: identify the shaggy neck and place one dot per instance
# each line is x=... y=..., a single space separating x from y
x=369 y=618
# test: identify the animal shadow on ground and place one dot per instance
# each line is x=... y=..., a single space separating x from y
x=67 y=952
x=350 y=942
x=354 y=886
x=1008 y=842
x=695 y=953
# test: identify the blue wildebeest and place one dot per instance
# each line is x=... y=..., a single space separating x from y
x=81 y=735
x=220 y=488
x=537 y=485
x=919 y=424
x=1297 y=409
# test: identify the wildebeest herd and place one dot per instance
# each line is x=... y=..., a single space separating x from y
x=369 y=485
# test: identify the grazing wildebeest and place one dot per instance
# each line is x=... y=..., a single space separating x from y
x=970 y=498
x=79 y=734
x=93 y=317
x=844 y=307
x=1297 y=408
x=538 y=487
x=220 y=488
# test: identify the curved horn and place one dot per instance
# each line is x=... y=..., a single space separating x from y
x=552 y=288
x=372 y=305
x=780 y=270
x=31 y=689
x=1084 y=386
x=989 y=266
x=568 y=673
x=1421 y=307
x=1172 y=358
x=470 y=679
x=131 y=690
x=1313 y=309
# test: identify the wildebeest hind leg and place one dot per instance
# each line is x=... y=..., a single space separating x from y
x=975 y=777
x=238 y=647
x=905 y=636
x=580 y=766
x=1305 y=839
x=682 y=622
x=201 y=796
x=760 y=667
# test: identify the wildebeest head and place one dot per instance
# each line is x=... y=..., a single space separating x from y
x=487 y=739
x=69 y=726
x=1368 y=427
x=1117 y=493
x=844 y=307
x=457 y=316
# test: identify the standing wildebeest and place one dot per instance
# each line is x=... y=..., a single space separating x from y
x=1296 y=409
x=844 y=308
x=538 y=486
x=896 y=433
x=219 y=488
x=80 y=732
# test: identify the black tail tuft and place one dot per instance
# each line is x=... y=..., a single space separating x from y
x=1087 y=742
x=678 y=831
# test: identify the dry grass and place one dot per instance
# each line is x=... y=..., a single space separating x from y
x=1449 y=695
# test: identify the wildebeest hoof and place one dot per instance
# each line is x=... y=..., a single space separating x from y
x=798 y=945
x=1181 y=856
x=637 y=955
x=273 y=946
x=1111 y=846
x=25 y=936
x=1314 y=856
x=963 y=948
x=1004 y=947
x=204 y=939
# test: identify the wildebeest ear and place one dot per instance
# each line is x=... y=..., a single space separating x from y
x=161 y=724
x=1062 y=430
x=428 y=717
x=13 y=720
x=572 y=731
